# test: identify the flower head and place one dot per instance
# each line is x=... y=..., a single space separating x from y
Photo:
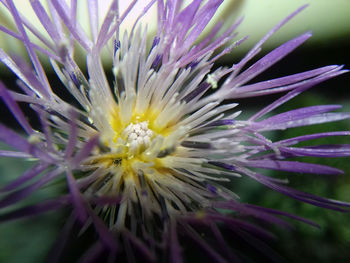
x=145 y=157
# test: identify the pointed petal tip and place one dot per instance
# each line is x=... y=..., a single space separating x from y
x=301 y=8
x=308 y=33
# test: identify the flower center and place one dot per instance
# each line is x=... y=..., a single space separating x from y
x=138 y=137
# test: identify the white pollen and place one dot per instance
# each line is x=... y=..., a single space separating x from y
x=144 y=125
x=138 y=136
x=132 y=136
x=139 y=140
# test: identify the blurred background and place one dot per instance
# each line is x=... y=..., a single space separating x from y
x=30 y=240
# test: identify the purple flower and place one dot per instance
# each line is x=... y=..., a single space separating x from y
x=145 y=157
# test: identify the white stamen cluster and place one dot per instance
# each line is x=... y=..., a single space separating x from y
x=138 y=136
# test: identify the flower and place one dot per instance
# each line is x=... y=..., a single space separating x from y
x=145 y=157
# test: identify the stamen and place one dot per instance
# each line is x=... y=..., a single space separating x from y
x=138 y=136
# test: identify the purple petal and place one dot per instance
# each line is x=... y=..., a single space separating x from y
x=202 y=19
x=37 y=47
x=73 y=133
x=293 y=118
x=38 y=68
x=112 y=14
x=255 y=50
x=30 y=81
x=32 y=28
x=14 y=154
x=202 y=88
x=147 y=255
x=307 y=137
x=61 y=241
x=278 y=212
x=75 y=29
x=283 y=81
x=142 y=14
x=16 y=111
x=25 y=177
x=185 y=19
x=341 y=150
x=301 y=196
x=269 y=59
x=115 y=28
x=93 y=18
x=77 y=199
x=23 y=193
x=241 y=225
x=106 y=236
x=175 y=249
x=17 y=142
x=73 y=13
x=105 y=200
x=34 y=209
x=301 y=88
x=85 y=151
x=45 y=20
x=45 y=128
x=246 y=211
x=223 y=122
x=222 y=243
